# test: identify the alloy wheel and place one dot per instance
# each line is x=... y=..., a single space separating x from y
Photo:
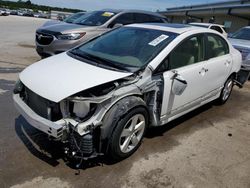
x=132 y=133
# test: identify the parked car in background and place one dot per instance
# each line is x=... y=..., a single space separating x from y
x=73 y=17
x=4 y=12
x=241 y=41
x=13 y=12
x=69 y=19
x=217 y=27
x=101 y=96
x=20 y=13
x=40 y=15
x=28 y=14
x=58 y=38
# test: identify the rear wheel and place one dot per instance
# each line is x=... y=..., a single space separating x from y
x=226 y=91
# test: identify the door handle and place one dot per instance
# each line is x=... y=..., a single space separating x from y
x=228 y=62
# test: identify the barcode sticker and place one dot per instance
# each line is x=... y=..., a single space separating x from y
x=158 y=40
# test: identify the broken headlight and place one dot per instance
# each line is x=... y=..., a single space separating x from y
x=81 y=109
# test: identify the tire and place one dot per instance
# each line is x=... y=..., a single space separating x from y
x=226 y=91
x=128 y=134
x=120 y=117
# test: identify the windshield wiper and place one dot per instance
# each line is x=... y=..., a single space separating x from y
x=108 y=62
x=99 y=61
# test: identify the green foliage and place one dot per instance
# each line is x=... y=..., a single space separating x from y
x=30 y=5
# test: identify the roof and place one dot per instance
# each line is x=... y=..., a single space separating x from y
x=205 y=24
x=174 y=28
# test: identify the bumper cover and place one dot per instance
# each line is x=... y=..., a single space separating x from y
x=54 y=129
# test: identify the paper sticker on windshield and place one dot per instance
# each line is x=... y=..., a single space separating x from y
x=158 y=40
x=108 y=14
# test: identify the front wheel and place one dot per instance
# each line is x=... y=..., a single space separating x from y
x=226 y=91
x=128 y=134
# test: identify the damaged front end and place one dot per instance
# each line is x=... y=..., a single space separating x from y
x=87 y=138
x=77 y=121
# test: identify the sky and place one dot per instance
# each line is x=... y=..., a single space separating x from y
x=152 y=5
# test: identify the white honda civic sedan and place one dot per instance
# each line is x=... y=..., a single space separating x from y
x=100 y=97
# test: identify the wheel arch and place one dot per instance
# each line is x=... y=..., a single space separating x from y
x=117 y=111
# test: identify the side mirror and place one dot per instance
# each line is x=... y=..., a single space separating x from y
x=179 y=85
x=117 y=25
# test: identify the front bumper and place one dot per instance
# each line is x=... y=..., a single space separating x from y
x=54 y=129
x=56 y=47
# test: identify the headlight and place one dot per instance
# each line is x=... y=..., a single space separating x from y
x=70 y=36
x=81 y=109
x=18 y=87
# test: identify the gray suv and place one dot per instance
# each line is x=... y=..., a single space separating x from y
x=54 y=39
x=241 y=41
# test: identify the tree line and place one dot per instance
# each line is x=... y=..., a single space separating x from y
x=29 y=5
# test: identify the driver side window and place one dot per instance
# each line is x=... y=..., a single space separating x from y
x=189 y=52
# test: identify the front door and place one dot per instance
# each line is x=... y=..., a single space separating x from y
x=187 y=59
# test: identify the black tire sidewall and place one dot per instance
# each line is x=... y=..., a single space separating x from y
x=114 y=148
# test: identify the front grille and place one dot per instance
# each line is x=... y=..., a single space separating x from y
x=44 y=39
x=43 y=107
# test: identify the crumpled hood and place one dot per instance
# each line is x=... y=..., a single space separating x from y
x=240 y=43
x=61 y=76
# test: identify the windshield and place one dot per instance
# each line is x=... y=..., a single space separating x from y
x=73 y=17
x=127 y=48
x=94 y=18
x=243 y=34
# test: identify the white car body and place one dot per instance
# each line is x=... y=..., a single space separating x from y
x=61 y=76
x=211 y=26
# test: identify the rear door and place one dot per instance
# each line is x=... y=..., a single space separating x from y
x=219 y=62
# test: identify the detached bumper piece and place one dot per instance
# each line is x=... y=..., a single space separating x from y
x=243 y=74
x=51 y=128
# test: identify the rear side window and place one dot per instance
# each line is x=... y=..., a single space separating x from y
x=216 y=46
x=123 y=19
x=146 y=18
x=216 y=28
x=156 y=19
